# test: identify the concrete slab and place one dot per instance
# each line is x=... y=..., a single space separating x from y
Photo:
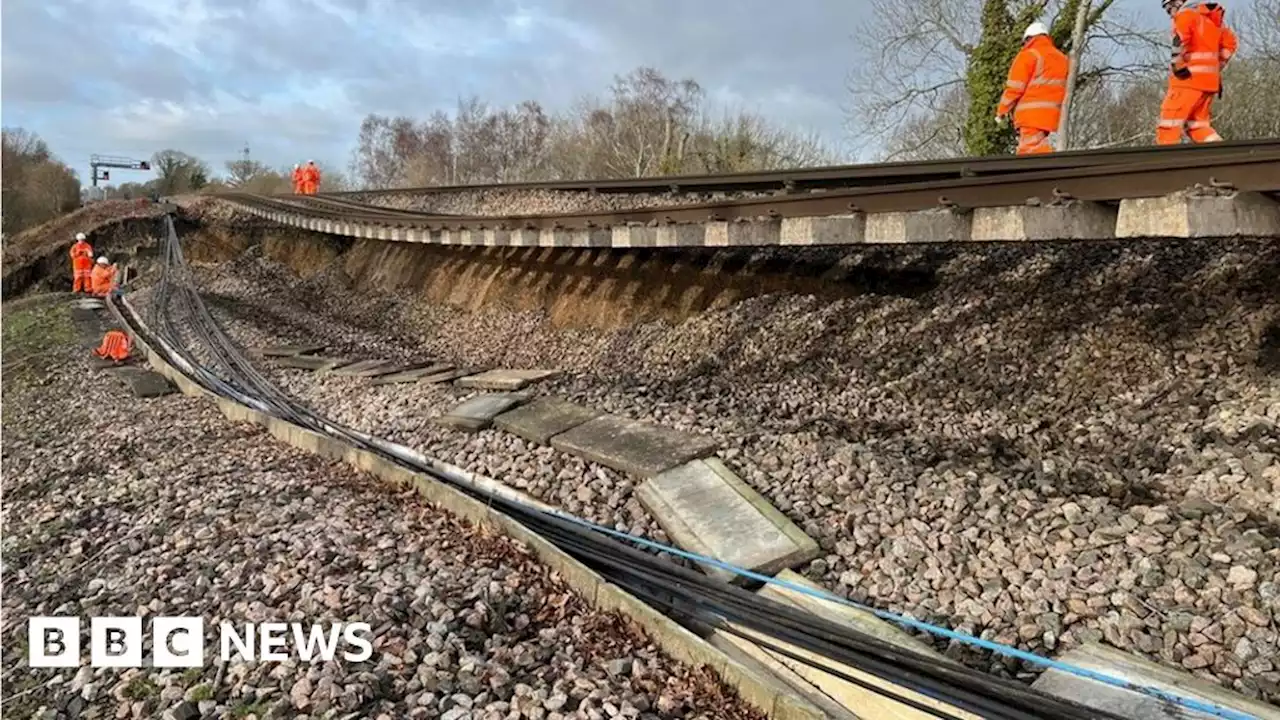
x=478 y=412
x=414 y=374
x=1123 y=666
x=144 y=383
x=1185 y=215
x=706 y=509
x=634 y=235
x=631 y=446
x=681 y=235
x=290 y=350
x=357 y=369
x=544 y=418
x=88 y=303
x=447 y=376
x=742 y=233
x=832 y=230
x=937 y=225
x=1068 y=221
x=505 y=379
x=318 y=363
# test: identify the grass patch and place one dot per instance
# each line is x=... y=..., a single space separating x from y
x=191 y=675
x=141 y=687
x=259 y=709
x=30 y=335
x=201 y=692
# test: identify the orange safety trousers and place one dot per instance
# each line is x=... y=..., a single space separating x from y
x=1186 y=109
x=80 y=278
x=115 y=346
x=1032 y=141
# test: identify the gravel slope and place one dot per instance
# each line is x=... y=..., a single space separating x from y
x=1054 y=444
x=120 y=506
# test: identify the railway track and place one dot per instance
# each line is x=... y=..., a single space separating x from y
x=841 y=176
x=1091 y=190
x=682 y=593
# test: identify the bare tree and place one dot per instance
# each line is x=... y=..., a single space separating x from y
x=37 y=186
x=179 y=172
x=241 y=173
x=648 y=125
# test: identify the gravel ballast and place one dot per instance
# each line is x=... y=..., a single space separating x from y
x=1053 y=444
x=115 y=506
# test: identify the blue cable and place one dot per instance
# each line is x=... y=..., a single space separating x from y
x=998 y=648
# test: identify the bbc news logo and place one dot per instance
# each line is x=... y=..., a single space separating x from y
x=180 y=642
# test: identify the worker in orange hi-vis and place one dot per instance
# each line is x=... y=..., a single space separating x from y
x=1035 y=90
x=1202 y=47
x=310 y=178
x=102 y=281
x=115 y=346
x=297 y=179
x=81 y=264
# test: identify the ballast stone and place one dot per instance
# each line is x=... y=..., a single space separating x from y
x=544 y=418
x=274 y=351
x=708 y=510
x=1130 y=704
x=1068 y=221
x=1186 y=215
x=919 y=226
x=631 y=446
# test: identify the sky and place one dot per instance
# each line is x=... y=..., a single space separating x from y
x=293 y=78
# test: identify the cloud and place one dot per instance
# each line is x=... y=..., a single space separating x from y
x=293 y=78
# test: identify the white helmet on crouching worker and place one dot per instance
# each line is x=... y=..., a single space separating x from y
x=103 y=260
x=1034 y=29
x=79 y=236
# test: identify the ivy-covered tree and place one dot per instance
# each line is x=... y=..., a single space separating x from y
x=929 y=73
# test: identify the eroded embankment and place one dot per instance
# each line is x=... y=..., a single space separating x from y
x=575 y=287
x=37 y=260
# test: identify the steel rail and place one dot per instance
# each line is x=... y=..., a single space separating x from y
x=654 y=578
x=1158 y=175
x=835 y=176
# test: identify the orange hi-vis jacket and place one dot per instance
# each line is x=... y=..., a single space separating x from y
x=81 y=256
x=310 y=179
x=1202 y=46
x=297 y=181
x=1037 y=85
x=115 y=345
x=103 y=280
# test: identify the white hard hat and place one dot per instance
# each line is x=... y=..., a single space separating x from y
x=1035 y=28
x=79 y=236
x=103 y=260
